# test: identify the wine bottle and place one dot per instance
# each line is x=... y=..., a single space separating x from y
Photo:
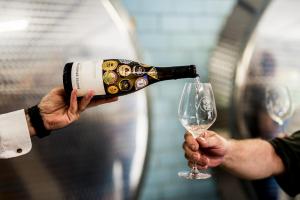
x=117 y=77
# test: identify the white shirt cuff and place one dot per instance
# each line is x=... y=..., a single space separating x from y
x=14 y=134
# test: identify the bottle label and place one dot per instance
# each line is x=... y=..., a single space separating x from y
x=124 y=70
x=125 y=85
x=138 y=70
x=88 y=75
x=110 y=65
x=113 y=89
x=153 y=73
x=110 y=77
x=141 y=82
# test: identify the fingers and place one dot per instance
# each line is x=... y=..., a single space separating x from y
x=209 y=140
x=73 y=109
x=58 y=90
x=203 y=164
x=190 y=147
x=191 y=142
x=97 y=102
x=190 y=154
x=85 y=101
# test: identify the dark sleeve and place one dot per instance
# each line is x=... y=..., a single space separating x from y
x=288 y=149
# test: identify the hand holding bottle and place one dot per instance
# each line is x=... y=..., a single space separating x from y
x=57 y=111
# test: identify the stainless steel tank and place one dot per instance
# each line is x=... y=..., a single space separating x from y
x=258 y=47
x=103 y=154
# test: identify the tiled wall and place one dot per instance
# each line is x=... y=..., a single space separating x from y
x=174 y=32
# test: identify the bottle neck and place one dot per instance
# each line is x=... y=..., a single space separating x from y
x=176 y=72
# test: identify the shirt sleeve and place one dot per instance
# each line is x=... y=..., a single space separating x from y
x=288 y=149
x=14 y=135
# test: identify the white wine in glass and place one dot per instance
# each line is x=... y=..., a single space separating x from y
x=196 y=112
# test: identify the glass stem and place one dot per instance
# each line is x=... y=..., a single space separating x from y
x=194 y=169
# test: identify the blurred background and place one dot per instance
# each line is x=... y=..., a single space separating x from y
x=132 y=149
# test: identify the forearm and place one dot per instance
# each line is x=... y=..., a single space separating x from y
x=252 y=159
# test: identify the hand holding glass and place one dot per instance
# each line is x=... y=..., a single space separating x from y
x=197 y=112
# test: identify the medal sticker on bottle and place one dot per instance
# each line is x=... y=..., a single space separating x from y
x=141 y=82
x=124 y=70
x=109 y=65
x=153 y=73
x=113 y=89
x=110 y=77
x=125 y=85
x=138 y=70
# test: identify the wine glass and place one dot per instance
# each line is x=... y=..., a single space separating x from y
x=197 y=112
x=279 y=104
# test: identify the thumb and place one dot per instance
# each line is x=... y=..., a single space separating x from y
x=208 y=142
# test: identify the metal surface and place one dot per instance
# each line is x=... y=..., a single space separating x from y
x=255 y=51
x=228 y=65
x=102 y=155
x=273 y=61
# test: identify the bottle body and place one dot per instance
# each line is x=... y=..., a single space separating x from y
x=117 y=77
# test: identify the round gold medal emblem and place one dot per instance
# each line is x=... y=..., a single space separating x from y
x=110 y=77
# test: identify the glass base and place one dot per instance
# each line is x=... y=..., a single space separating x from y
x=193 y=176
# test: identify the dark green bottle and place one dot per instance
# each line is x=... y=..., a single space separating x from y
x=117 y=77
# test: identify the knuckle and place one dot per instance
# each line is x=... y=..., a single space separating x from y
x=195 y=156
x=204 y=161
x=192 y=147
x=81 y=108
x=201 y=167
x=186 y=135
x=184 y=145
x=186 y=156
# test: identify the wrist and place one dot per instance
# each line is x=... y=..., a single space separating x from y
x=229 y=148
x=36 y=123
x=31 y=129
x=45 y=122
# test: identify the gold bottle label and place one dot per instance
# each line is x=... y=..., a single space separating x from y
x=109 y=65
x=153 y=73
x=110 y=77
x=124 y=70
x=113 y=89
